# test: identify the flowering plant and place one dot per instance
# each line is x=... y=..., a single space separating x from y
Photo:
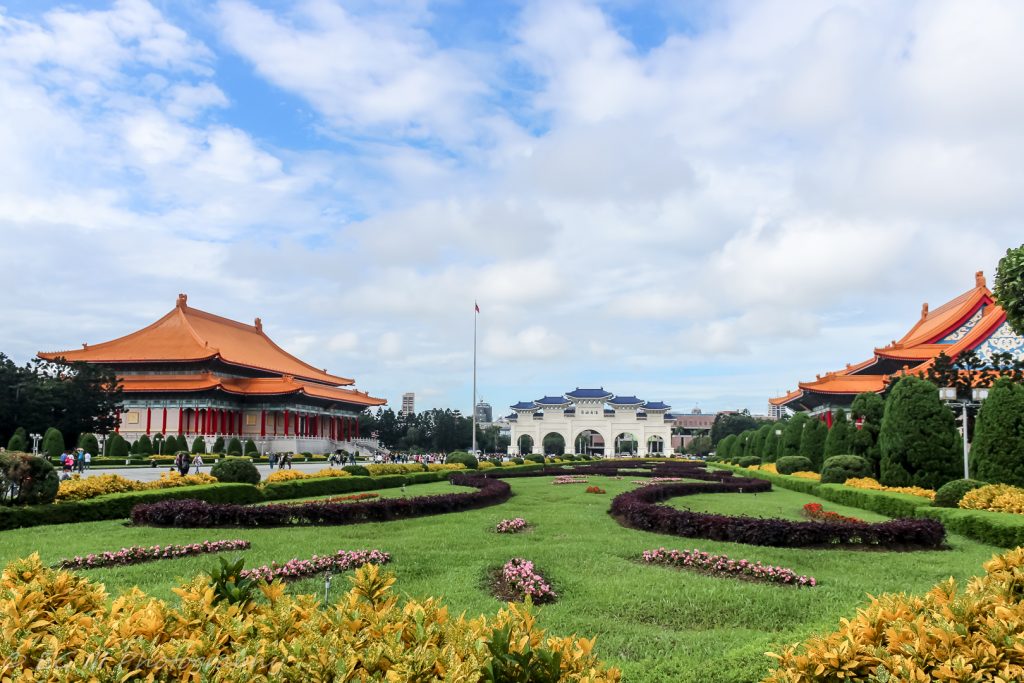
x=655 y=480
x=137 y=554
x=721 y=565
x=595 y=489
x=295 y=568
x=522 y=580
x=570 y=479
x=351 y=498
x=816 y=511
x=510 y=526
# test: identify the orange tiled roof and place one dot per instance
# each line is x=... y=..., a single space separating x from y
x=918 y=347
x=256 y=386
x=188 y=334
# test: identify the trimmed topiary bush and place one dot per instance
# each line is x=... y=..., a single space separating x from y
x=199 y=445
x=520 y=461
x=749 y=461
x=53 y=443
x=236 y=470
x=919 y=442
x=357 y=470
x=535 y=458
x=88 y=443
x=464 y=458
x=26 y=479
x=812 y=442
x=250 y=447
x=997 y=453
x=949 y=495
x=234 y=446
x=218 y=445
x=118 y=447
x=788 y=464
x=839 y=468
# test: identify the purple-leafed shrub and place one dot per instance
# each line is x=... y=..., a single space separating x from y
x=195 y=513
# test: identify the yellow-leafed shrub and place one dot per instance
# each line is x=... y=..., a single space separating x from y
x=871 y=484
x=807 y=475
x=486 y=465
x=59 y=626
x=445 y=467
x=394 y=468
x=949 y=634
x=995 y=497
x=292 y=475
x=767 y=467
x=79 y=488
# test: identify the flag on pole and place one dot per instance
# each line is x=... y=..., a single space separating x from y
x=476 y=306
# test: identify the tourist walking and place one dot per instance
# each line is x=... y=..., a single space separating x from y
x=197 y=462
x=87 y=459
x=80 y=460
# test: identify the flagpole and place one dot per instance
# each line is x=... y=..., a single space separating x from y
x=476 y=312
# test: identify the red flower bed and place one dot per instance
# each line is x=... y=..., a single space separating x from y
x=595 y=489
x=816 y=512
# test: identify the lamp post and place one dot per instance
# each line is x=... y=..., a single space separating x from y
x=36 y=438
x=948 y=395
x=103 y=441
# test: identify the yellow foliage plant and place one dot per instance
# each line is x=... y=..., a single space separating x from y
x=292 y=475
x=995 y=497
x=767 y=467
x=394 y=468
x=59 y=626
x=807 y=475
x=445 y=466
x=951 y=633
x=83 y=488
x=871 y=484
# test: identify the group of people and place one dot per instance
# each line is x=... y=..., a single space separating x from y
x=183 y=462
x=281 y=460
x=75 y=461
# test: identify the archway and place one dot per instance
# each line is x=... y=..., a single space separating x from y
x=656 y=445
x=554 y=444
x=589 y=442
x=625 y=444
x=525 y=444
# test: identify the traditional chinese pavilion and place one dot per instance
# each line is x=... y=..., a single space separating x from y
x=193 y=373
x=971 y=321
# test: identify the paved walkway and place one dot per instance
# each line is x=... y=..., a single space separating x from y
x=153 y=473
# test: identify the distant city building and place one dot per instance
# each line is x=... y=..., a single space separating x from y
x=484 y=414
x=686 y=428
x=776 y=412
x=591 y=422
x=408 y=404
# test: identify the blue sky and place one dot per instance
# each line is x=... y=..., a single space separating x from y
x=700 y=203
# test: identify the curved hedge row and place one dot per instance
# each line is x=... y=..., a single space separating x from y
x=638 y=509
x=196 y=513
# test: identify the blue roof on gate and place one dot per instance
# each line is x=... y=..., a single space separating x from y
x=524 y=405
x=626 y=401
x=656 y=405
x=589 y=393
x=513 y=416
x=669 y=416
x=552 y=401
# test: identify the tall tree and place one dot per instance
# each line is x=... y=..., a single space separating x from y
x=731 y=423
x=1009 y=288
x=792 y=435
x=997 y=453
x=812 y=442
x=840 y=436
x=53 y=442
x=867 y=409
x=918 y=439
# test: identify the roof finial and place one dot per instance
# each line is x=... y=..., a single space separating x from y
x=182 y=300
x=259 y=326
x=924 y=310
x=979 y=279
x=85 y=345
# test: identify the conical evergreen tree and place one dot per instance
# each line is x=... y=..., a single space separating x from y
x=792 y=435
x=840 y=436
x=159 y=444
x=868 y=408
x=997 y=453
x=19 y=441
x=812 y=442
x=88 y=443
x=53 y=443
x=918 y=439
x=134 y=447
x=143 y=446
x=234 y=446
x=199 y=445
x=171 y=445
x=218 y=445
x=771 y=443
x=118 y=447
x=250 y=447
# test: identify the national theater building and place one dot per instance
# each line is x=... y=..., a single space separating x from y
x=192 y=373
x=972 y=321
x=591 y=422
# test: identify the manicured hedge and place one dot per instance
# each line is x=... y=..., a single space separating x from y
x=808 y=486
x=995 y=528
x=638 y=509
x=325 y=486
x=119 y=505
x=195 y=513
x=882 y=502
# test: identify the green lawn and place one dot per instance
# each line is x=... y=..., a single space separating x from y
x=657 y=624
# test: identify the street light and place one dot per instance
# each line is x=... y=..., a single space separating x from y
x=36 y=438
x=948 y=395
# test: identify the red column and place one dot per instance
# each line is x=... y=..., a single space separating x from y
x=274 y=413
x=181 y=417
x=263 y=423
x=201 y=422
x=163 y=430
x=296 y=418
x=286 y=423
x=331 y=429
x=149 y=418
x=241 y=422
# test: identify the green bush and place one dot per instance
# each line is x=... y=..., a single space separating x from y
x=749 y=460
x=949 y=495
x=87 y=442
x=464 y=458
x=919 y=442
x=868 y=408
x=840 y=436
x=199 y=445
x=882 y=502
x=119 y=505
x=539 y=459
x=53 y=443
x=236 y=470
x=357 y=470
x=118 y=447
x=34 y=478
x=218 y=445
x=144 y=446
x=234 y=446
x=839 y=468
x=520 y=461
x=808 y=486
x=812 y=442
x=788 y=464
x=792 y=435
x=250 y=447
x=19 y=442
x=997 y=453
x=995 y=528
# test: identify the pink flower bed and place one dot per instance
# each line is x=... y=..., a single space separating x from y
x=138 y=554
x=721 y=565
x=655 y=480
x=570 y=479
x=342 y=560
x=510 y=526
x=522 y=579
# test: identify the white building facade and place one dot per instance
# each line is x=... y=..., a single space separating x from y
x=592 y=422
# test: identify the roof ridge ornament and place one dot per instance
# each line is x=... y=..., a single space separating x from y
x=182 y=301
x=924 y=310
x=979 y=279
x=259 y=327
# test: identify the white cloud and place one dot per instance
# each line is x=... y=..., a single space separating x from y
x=531 y=343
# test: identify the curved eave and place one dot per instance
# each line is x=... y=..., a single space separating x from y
x=787 y=398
